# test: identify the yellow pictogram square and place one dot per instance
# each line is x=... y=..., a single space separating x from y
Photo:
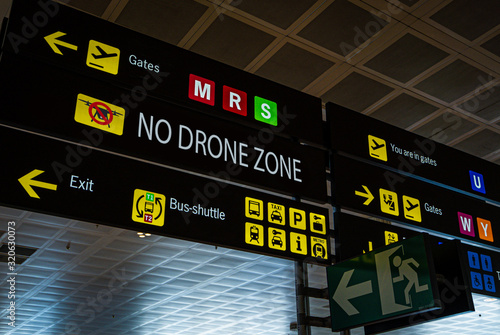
x=377 y=148
x=298 y=243
x=411 y=209
x=277 y=238
x=254 y=208
x=318 y=223
x=390 y=237
x=103 y=57
x=319 y=247
x=298 y=218
x=254 y=234
x=148 y=207
x=389 y=202
x=276 y=213
x=99 y=114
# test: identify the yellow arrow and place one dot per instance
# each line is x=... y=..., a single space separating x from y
x=370 y=247
x=28 y=183
x=53 y=41
x=368 y=195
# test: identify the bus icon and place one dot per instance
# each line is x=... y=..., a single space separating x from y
x=254 y=208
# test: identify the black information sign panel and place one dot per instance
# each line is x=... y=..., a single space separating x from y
x=355 y=235
x=85 y=44
x=93 y=113
x=368 y=188
x=77 y=182
x=380 y=143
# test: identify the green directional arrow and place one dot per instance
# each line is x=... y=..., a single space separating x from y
x=344 y=293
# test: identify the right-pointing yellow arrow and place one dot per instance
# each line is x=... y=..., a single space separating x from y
x=53 y=42
x=27 y=182
x=368 y=195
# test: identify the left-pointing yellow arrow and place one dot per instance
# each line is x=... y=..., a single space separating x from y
x=53 y=42
x=28 y=183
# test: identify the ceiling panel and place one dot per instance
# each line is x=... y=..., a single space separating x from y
x=96 y=7
x=294 y=67
x=281 y=13
x=39 y=230
x=232 y=42
x=357 y=92
x=453 y=81
x=469 y=18
x=493 y=45
x=404 y=110
x=406 y=58
x=342 y=26
x=167 y=20
x=483 y=143
x=409 y=3
x=446 y=127
x=485 y=105
x=42 y=218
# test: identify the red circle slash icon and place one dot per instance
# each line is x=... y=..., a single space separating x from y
x=102 y=115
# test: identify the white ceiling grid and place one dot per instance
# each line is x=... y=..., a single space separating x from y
x=108 y=281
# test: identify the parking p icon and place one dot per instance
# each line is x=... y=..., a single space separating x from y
x=298 y=219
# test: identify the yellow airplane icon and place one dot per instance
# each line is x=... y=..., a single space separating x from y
x=377 y=148
x=103 y=57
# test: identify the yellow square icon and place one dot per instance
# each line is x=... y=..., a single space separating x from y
x=103 y=57
x=389 y=202
x=276 y=213
x=298 y=218
x=318 y=223
x=390 y=237
x=377 y=148
x=254 y=208
x=411 y=209
x=254 y=234
x=298 y=243
x=148 y=207
x=319 y=247
x=99 y=114
x=277 y=238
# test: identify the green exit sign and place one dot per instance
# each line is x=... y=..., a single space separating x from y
x=395 y=280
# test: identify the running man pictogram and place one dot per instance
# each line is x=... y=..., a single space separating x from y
x=406 y=271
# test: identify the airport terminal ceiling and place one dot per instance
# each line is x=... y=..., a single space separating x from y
x=430 y=67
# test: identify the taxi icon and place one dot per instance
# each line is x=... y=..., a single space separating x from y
x=276 y=216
